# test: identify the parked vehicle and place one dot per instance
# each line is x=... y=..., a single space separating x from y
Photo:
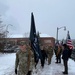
x=11 y=49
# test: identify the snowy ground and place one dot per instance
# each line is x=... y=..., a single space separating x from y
x=7 y=63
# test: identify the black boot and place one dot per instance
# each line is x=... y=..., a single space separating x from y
x=56 y=62
x=65 y=72
x=29 y=73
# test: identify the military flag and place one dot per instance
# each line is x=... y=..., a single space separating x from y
x=34 y=40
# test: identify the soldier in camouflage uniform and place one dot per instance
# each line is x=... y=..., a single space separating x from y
x=58 y=54
x=50 y=54
x=24 y=60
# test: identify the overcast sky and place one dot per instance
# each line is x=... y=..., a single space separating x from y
x=48 y=14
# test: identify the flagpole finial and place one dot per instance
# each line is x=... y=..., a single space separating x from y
x=32 y=16
x=68 y=31
x=31 y=13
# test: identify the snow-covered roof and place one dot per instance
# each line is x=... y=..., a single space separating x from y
x=16 y=36
x=22 y=36
x=44 y=35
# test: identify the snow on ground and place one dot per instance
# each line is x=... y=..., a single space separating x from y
x=7 y=63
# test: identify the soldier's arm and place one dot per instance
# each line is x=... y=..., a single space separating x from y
x=31 y=60
x=52 y=50
x=16 y=61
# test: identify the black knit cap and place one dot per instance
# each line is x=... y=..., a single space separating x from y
x=65 y=45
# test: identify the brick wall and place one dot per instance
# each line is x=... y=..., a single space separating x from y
x=44 y=40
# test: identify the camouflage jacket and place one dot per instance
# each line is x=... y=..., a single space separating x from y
x=50 y=50
x=59 y=51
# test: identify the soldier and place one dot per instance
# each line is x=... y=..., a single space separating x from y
x=50 y=54
x=24 y=60
x=44 y=55
x=65 y=58
x=55 y=50
x=58 y=54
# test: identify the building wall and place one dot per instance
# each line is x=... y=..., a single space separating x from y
x=48 y=41
x=44 y=40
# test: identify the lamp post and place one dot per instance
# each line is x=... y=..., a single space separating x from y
x=57 y=31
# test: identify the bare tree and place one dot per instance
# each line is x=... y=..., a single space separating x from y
x=2 y=34
x=26 y=34
x=2 y=31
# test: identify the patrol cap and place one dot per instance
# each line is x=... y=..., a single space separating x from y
x=21 y=43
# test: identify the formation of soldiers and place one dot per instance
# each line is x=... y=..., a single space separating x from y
x=25 y=59
x=65 y=51
x=24 y=63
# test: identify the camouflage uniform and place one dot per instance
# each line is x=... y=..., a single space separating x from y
x=24 y=61
x=58 y=54
x=50 y=54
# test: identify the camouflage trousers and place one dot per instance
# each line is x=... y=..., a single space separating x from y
x=22 y=71
x=49 y=59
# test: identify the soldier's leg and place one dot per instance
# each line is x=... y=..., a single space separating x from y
x=49 y=60
x=36 y=62
x=56 y=59
x=20 y=72
x=42 y=62
x=51 y=57
x=65 y=67
x=60 y=59
x=46 y=57
x=29 y=73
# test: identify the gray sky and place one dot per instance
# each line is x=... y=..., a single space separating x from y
x=48 y=14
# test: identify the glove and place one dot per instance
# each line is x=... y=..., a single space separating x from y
x=29 y=73
x=15 y=71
